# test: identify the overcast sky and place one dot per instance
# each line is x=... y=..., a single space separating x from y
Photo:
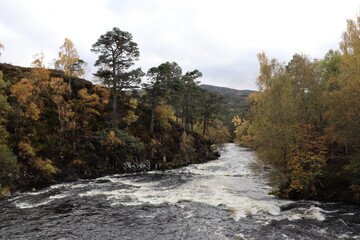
x=220 y=38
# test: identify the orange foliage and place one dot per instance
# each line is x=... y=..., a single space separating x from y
x=111 y=141
x=307 y=162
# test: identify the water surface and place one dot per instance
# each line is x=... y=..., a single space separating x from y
x=221 y=199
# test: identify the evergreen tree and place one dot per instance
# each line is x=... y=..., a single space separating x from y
x=117 y=53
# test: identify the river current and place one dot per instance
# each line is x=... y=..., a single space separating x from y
x=220 y=199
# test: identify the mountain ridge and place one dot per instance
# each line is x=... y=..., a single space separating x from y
x=231 y=92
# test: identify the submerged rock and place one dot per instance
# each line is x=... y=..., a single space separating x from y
x=137 y=166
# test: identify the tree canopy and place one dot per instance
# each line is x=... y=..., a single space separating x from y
x=117 y=53
x=304 y=122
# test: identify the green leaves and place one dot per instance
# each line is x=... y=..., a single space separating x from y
x=8 y=165
x=116 y=49
x=117 y=52
x=305 y=121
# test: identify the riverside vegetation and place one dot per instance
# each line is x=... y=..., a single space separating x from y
x=304 y=122
x=55 y=126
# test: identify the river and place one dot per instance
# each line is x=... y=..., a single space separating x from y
x=220 y=199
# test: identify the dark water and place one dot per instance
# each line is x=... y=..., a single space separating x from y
x=221 y=199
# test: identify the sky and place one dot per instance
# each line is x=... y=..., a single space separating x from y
x=219 y=38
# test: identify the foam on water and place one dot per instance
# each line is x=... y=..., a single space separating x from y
x=61 y=185
x=23 y=205
x=227 y=183
x=208 y=190
x=311 y=212
x=59 y=196
x=224 y=182
x=221 y=199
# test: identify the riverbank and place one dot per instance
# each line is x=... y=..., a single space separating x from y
x=72 y=175
x=220 y=199
x=55 y=128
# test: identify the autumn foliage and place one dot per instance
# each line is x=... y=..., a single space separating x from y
x=57 y=127
x=304 y=122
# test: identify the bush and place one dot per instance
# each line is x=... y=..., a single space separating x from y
x=8 y=166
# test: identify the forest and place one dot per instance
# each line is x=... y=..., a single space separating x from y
x=304 y=122
x=56 y=126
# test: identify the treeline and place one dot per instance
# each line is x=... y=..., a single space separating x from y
x=55 y=126
x=305 y=122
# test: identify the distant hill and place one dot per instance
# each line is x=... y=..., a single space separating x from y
x=227 y=91
x=235 y=103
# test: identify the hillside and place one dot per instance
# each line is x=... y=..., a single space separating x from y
x=55 y=128
x=227 y=91
x=235 y=103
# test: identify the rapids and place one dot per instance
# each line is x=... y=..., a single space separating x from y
x=221 y=199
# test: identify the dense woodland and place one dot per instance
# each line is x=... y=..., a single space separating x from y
x=55 y=126
x=305 y=122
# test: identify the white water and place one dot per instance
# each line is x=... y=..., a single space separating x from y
x=226 y=182
x=221 y=199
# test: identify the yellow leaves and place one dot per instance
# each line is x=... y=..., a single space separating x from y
x=217 y=133
x=98 y=99
x=40 y=77
x=90 y=102
x=154 y=142
x=307 y=161
x=236 y=121
x=27 y=93
x=265 y=71
x=103 y=93
x=78 y=163
x=133 y=103
x=1 y=47
x=5 y=107
x=112 y=141
x=242 y=132
x=163 y=113
x=253 y=98
x=69 y=60
x=297 y=184
x=38 y=61
x=59 y=87
x=299 y=104
x=66 y=114
x=343 y=102
x=29 y=154
x=45 y=166
x=84 y=95
x=186 y=148
x=351 y=38
x=2 y=83
x=130 y=118
x=3 y=134
x=26 y=150
x=23 y=90
x=33 y=111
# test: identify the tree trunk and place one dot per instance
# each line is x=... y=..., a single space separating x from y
x=114 y=100
x=204 y=126
x=152 y=121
